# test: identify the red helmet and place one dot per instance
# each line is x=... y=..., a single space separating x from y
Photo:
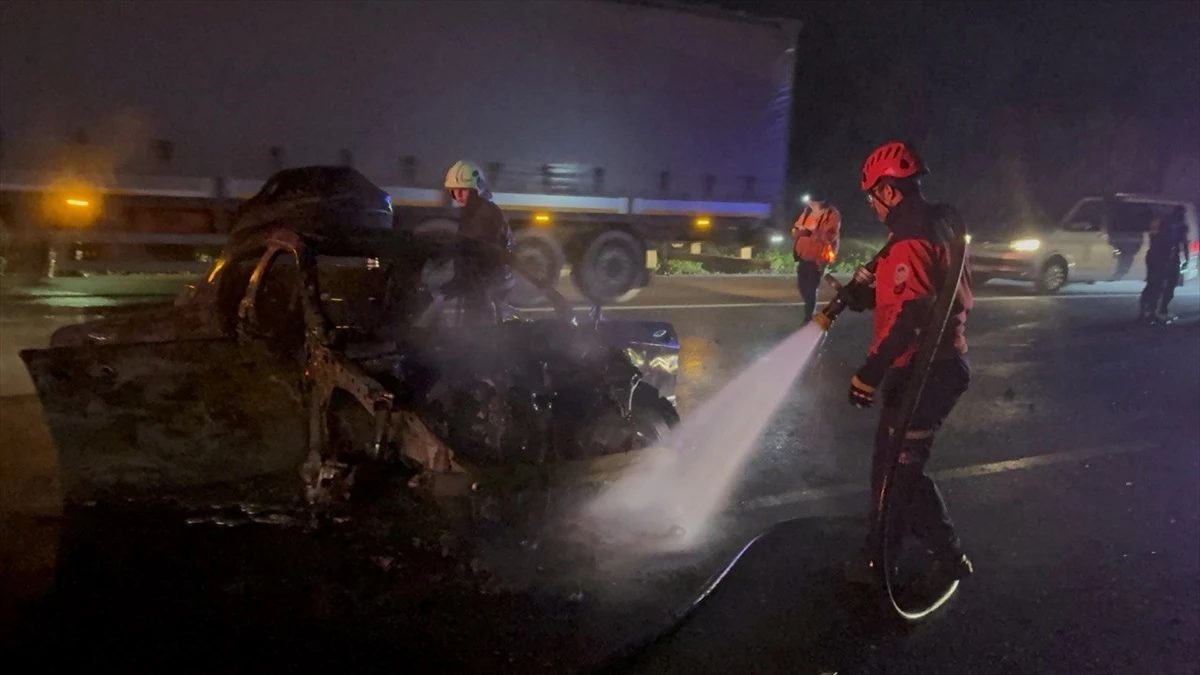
x=896 y=159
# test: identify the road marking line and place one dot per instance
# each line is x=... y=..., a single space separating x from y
x=91 y=309
x=715 y=305
x=50 y=317
x=1075 y=296
x=817 y=494
x=614 y=308
x=733 y=305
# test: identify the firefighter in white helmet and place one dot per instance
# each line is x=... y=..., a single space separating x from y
x=485 y=281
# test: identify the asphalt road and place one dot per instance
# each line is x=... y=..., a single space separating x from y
x=1071 y=466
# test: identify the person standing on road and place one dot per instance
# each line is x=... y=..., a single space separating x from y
x=484 y=281
x=1165 y=259
x=816 y=234
x=911 y=269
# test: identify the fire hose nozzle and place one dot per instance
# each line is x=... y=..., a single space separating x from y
x=863 y=277
x=833 y=308
x=822 y=320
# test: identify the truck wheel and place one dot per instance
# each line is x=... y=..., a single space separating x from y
x=611 y=266
x=1052 y=277
x=543 y=258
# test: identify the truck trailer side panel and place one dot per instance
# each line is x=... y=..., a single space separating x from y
x=180 y=89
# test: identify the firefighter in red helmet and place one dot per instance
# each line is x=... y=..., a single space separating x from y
x=909 y=273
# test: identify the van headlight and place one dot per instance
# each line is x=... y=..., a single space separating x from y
x=1026 y=245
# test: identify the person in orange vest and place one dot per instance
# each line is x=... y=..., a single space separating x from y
x=816 y=232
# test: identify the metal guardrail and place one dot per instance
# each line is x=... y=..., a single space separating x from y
x=64 y=252
x=67 y=237
x=130 y=267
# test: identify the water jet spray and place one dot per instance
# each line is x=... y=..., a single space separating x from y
x=682 y=484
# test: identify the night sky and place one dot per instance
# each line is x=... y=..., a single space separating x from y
x=1020 y=107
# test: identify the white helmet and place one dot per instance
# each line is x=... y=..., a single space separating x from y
x=466 y=174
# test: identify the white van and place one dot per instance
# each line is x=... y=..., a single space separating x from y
x=1100 y=239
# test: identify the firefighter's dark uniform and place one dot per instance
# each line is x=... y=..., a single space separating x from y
x=1167 y=251
x=484 y=280
x=910 y=272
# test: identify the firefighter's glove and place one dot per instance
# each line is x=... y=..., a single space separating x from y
x=862 y=395
x=859 y=293
x=864 y=383
x=859 y=297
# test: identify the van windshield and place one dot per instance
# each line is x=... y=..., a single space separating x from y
x=1087 y=216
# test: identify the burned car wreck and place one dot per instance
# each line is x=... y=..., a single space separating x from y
x=323 y=341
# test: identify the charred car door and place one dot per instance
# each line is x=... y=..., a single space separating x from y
x=188 y=420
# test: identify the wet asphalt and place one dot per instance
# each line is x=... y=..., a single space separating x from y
x=1071 y=467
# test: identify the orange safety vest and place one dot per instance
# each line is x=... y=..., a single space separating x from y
x=821 y=246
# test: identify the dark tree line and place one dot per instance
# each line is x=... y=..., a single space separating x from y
x=1021 y=108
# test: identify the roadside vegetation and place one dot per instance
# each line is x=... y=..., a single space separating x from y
x=852 y=254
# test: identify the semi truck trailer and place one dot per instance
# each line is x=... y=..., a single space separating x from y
x=606 y=129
